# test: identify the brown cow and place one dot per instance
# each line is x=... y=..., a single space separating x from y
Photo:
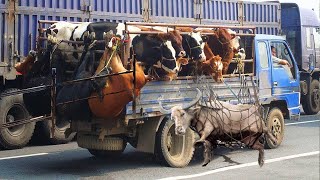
x=25 y=66
x=118 y=88
x=220 y=44
x=212 y=65
x=221 y=121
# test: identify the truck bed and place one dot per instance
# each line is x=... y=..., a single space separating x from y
x=183 y=90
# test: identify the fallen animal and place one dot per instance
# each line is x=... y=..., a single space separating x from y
x=221 y=121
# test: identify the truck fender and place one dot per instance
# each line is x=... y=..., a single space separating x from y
x=147 y=133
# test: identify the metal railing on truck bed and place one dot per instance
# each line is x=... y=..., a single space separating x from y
x=171 y=93
x=235 y=87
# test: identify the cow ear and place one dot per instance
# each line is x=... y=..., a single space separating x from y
x=233 y=36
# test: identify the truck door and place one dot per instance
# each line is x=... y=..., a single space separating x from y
x=316 y=35
x=263 y=70
x=285 y=78
x=310 y=50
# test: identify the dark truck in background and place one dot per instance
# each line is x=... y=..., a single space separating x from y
x=301 y=29
x=19 y=29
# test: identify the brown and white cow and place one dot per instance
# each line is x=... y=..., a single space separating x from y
x=221 y=43
x=221 y=121
x=212 y=67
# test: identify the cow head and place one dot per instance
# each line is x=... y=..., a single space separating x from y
x=224 y=36
x=216 y=66
x=61 y=30
x=25 y=66
x=194 y=44
x=235 y=40
x=168 y=60
x=176 y=40
x=181 y=117
x=110 y=39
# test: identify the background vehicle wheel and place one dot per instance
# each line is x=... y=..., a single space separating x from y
x=275 y=124
x=43 y=129
x=12 y=109
x=311 y=102
x=171 y=149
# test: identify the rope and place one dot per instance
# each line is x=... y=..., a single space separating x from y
x=240 y=64
x=230 y=122
x=114 y=49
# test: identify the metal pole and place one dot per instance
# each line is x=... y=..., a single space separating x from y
x=188 y=25
x=53 y=101
x=134 y=105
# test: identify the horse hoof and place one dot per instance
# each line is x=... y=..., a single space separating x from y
x=205 y=163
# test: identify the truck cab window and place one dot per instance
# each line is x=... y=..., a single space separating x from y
x=316 y=34
x=309 y=37
x=281 y=58
x=263 y=55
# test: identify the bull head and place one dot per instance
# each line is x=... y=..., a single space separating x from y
x=108 y=37
x=185 y=106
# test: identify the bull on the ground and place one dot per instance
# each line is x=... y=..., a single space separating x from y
x=221 y=121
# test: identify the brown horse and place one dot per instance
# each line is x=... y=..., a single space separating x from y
x=118 y=90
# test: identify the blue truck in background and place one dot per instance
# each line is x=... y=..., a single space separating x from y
x=18 y=32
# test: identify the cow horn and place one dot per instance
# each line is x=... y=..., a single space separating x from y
x=163 y=110
x=193 y=102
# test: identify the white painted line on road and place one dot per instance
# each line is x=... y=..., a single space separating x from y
x=241 y=166
x=22 y=156
x=302 y=122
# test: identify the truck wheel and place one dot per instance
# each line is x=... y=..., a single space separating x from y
x=13 y=108
x=171 y=149
x=311 y=105
x=275 y=124
x=43 y=129
x=106 y=153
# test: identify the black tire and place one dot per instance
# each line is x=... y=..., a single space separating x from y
x=107 y=153
x=311 y=101
x=171 y=149
x=275 y=124
x=43 y=129
x=13 y=108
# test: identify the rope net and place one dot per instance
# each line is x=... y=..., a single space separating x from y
x=238 y=119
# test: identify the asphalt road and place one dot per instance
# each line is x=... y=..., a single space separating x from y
x=297 y=158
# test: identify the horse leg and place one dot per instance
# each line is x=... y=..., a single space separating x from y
x=207 y=152
x=204 y=135
x=258 y=146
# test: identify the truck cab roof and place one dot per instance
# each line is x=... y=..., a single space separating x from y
x=268 y=37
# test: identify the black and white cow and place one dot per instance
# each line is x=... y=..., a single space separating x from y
x=155 y=51
x=194 y=43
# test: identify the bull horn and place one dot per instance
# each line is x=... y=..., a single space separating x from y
x=193 y=102
x=163 y=110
